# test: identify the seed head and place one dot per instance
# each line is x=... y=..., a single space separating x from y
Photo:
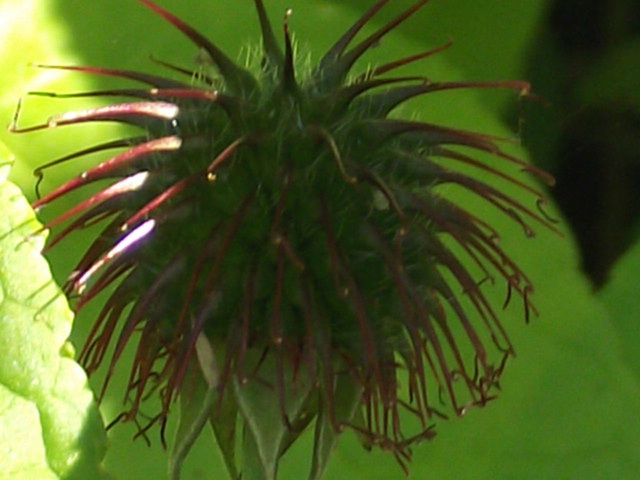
x=283 y=222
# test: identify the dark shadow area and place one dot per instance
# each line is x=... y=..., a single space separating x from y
x=589 y=138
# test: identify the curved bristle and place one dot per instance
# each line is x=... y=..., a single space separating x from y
x=289 y=78
x=383 y=103
x=337 y=63
x=341 y=45
x=269 y=42
x=156 y=81
x=107 y=167
x=387 y=67
x=238 y=79
x=347 y=60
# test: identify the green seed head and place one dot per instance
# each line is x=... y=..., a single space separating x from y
x=277 y=230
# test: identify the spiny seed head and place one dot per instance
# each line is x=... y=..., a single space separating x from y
x=282 y=216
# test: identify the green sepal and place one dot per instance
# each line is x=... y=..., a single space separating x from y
x=266 y=432
x=347 y=398
x=223 y=420
x=195 y=401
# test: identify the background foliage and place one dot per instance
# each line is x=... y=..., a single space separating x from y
x=569 y=403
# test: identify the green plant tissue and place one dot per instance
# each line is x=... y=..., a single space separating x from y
x=50 y=427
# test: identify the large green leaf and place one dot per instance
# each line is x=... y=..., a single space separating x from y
x=29 y=34
x=568 y=401
x=49 y=424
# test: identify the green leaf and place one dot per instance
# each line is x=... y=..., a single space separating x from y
x=621 y=299
x=49 y=424
x=30 y=33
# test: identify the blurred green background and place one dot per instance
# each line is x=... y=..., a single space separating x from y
x=570 y=400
